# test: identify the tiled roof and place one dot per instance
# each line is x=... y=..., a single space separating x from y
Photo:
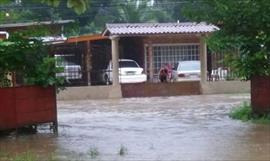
x=25 y=24
x=157 y=28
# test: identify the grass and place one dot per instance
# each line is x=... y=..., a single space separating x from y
x=244 y=113
x=3 y=156
x=30 y=156
x=123 y=150
x=25 y=156
x=93 y=152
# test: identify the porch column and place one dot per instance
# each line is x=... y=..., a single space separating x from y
x=88 y=62
x=115 y=59
x=150 y=52
x=203 y=59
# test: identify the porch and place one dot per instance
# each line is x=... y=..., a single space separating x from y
x=151 y=46
x=153 y=90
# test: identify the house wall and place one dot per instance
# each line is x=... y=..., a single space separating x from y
x=225 y=87
x=90 y=92
x=173 y=39
x=161 y=89
x=132 y=48
x=153 y=89
x=156 y=48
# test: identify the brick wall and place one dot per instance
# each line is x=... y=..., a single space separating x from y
x=161 y=89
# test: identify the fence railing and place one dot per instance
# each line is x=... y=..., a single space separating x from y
x=218 y=69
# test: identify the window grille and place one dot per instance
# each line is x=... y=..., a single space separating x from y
x=171 y=54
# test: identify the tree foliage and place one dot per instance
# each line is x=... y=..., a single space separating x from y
x=134 y=12
x=29 y=59
x=244 y=25
x=97 y=13
x=79 y=6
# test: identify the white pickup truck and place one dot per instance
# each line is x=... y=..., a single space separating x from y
x=71 y=70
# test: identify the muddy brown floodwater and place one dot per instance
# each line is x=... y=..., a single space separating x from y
x=159 y=128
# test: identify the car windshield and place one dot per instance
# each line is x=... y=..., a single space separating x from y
x=127 y=64
x=189 y=66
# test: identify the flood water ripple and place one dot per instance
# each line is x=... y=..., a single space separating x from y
x=158 y=128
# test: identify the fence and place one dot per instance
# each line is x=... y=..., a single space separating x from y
x=218 y=69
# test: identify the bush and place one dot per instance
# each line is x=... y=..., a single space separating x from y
x=244 y=112
x=29 y=59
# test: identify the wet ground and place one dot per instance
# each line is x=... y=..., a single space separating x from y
x=159 y=128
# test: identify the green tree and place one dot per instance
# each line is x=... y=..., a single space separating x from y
x=79 y=6
x=244 y=25
x=128 y=11
x=34 y=10
x=29 y=59
x=173 y=8
x=141 y=11
x=92 y=20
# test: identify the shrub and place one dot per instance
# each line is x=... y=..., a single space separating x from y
x=29 y=59
x=244 y=112
x=93 y=152
x=123 y=150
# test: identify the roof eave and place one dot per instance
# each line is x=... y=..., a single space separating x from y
x=149 y=34
x=105 y=32
x=26 y=24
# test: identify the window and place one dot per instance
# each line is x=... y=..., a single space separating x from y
x=127 y=64
x=189 y=65
x=172 y=54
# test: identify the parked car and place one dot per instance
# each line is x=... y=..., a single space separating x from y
x=187 y=70
x=129 y=72
x=71 y=70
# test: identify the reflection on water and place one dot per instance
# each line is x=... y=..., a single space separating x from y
x=160 y=128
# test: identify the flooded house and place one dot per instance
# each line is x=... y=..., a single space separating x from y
x=151 y=46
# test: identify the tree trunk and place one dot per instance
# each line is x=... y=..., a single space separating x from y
x=260 y=94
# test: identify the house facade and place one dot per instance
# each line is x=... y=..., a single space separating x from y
x=151 y=45
x=154 y=44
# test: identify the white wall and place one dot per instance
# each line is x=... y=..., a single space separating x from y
x=223 y=87
x=90 y=92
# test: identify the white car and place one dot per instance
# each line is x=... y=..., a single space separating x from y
x=187 y=70
x=71 y=70
x=129 y=72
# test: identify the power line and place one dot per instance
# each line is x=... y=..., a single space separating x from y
x=97 y=5
x=106 y=8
